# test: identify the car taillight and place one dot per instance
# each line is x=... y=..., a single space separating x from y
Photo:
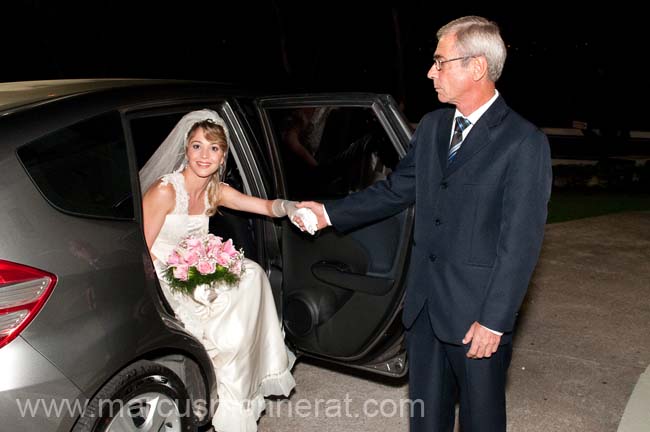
x=23 y=291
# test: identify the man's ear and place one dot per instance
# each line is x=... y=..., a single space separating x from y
x=479 y=67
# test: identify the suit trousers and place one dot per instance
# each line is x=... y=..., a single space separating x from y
x=441 y=374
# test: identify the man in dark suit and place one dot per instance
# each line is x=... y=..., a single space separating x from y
x=480 y=178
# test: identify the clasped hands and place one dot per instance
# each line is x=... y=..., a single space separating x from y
x=300 y=215
x=310 y=223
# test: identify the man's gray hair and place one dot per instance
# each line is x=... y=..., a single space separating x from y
x=476 y=36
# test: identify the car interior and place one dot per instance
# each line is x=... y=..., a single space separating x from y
x=341 y=289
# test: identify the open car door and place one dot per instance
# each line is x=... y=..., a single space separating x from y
x=342 y=292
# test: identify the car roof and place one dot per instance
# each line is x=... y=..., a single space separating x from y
x=24 y=93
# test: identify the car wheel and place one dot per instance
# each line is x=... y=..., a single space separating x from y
x=145 y=396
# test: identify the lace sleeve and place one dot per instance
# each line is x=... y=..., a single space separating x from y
x=177 y=182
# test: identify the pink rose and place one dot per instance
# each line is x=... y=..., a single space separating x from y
x=193 y=243
x=229 y=248
x=206 y=267
x=180 y=272
x=214 y=241
x=213 y=247
x=223 y=259
x=192 y=257
x=174 y=258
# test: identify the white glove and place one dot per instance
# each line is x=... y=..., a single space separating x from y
x=204 y=294
x=309 y=220
x=288 y=208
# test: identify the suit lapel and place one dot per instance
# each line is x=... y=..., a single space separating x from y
x=444 y=138
x=477 y=138
x=480 y=135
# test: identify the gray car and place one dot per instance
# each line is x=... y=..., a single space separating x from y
x=87 y=340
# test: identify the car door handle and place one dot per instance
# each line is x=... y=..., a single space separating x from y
x=340 y=275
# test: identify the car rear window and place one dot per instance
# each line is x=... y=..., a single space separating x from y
x=83 y=169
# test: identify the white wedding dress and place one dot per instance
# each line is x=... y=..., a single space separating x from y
x=239 y=329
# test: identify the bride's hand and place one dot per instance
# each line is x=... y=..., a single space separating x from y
x=303 y=218
x=318 y=210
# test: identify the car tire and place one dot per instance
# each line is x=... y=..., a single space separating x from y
x=145 y=396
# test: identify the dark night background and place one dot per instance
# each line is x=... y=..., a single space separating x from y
x=564 y=63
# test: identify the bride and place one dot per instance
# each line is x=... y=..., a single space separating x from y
x=240 y=328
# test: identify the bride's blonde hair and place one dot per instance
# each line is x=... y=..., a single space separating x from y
x=216 y=135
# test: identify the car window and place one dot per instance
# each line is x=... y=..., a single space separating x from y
x=251 y=122
x=83 y=169
x=149 y=132
x=329 y=152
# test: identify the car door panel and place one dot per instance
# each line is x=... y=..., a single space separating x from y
x=342 y=291
x=335 y=293
x=339 y=275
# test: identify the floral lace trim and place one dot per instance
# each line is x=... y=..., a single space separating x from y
x=182 y=199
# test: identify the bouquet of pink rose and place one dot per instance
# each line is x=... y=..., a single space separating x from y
x=203 y=260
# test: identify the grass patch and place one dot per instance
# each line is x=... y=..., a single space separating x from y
x=571 y=204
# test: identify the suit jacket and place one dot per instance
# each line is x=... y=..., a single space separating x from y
x=479 y=221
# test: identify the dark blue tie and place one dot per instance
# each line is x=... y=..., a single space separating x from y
x=457 y=137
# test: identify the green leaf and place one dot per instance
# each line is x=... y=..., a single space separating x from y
x=195 y=278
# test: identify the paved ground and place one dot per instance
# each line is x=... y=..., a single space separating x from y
x=583 y=338
x=582 y=343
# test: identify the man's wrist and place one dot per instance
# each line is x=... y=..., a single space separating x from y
x=327 y=217
x=498 y=333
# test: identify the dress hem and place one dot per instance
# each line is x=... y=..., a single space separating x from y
x=242 y=416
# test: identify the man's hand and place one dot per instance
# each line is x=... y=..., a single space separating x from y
x=319 y=211
x=484 y=342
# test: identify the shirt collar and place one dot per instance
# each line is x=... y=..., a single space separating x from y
x=473 y=117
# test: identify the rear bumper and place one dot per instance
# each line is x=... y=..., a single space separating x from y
x=34 y=395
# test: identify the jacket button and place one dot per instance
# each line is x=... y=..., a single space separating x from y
x=444 y=185
x=432 y=257
x=438 y=222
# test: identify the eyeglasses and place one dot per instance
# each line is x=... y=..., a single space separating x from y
x=437 y=63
